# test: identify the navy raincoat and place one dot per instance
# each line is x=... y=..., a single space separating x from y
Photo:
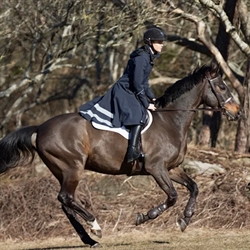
x=126 y=102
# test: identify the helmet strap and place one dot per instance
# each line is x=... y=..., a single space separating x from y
x=152 y=47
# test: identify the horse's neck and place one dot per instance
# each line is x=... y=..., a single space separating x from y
x=186 y=102
x=184 y=108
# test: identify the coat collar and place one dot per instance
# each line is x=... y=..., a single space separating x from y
x=146 y=48
x=152 y=55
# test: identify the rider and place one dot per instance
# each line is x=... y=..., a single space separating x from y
x=126 y=102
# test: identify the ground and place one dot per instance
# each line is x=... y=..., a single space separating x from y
x=192 y=239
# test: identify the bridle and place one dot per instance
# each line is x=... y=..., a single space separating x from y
x=221 y=102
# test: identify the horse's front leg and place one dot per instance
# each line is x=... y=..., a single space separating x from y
x=161 y=176
x=179 y=176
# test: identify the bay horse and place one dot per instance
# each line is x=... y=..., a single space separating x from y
x=68 y=144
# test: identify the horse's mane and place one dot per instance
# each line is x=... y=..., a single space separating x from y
x=184 y=85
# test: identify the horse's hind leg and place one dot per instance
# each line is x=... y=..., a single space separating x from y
x=179 y=176
x=68 y=178
x=78 y=227
x=66 y=197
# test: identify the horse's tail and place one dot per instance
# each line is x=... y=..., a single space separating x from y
x=16 y=148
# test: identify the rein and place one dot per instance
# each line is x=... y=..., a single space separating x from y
x=193 y=110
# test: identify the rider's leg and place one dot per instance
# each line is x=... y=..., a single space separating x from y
x=133 y=151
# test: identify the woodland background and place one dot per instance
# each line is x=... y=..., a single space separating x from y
x=56 y=55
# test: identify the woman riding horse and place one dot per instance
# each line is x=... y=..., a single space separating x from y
x=125 y=104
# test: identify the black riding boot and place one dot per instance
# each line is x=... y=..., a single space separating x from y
x=133 y=151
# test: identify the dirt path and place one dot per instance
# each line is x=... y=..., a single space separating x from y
x=195 y=239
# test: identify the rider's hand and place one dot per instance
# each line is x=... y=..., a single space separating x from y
x=152 y=107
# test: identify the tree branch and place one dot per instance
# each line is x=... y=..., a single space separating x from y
x=206 y=40
x=228 y=26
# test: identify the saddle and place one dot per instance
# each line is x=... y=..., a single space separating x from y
x=138 y=165
x=123 y=131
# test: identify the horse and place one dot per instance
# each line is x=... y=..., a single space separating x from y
x=68 y=144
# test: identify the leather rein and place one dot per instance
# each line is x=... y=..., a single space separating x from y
x=193 y=110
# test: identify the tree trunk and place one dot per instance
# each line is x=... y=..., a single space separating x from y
x=212 y=120
x=242 y=141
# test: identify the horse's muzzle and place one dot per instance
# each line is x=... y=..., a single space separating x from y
x=232 y=110
x=232 y=116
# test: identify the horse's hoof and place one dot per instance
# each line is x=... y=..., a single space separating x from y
x=96 y=232
x=96 y=245
x=182 y=224
x=139 y=219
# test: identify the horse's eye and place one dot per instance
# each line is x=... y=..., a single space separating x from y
x=222 y=87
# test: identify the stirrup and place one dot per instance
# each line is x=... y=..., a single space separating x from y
x=135 y=156
x=142 y=156
x=132 y=154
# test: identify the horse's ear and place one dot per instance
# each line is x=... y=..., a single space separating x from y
x=215 y=67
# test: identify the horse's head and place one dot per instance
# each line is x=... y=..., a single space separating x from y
x=218 y=95
x=205 y=82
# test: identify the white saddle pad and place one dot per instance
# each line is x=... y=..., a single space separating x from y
x=123 y=131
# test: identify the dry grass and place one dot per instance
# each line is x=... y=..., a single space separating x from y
x=29 y=208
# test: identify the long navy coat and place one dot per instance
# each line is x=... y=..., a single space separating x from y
x=126 y=102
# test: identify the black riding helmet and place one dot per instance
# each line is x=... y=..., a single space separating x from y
x=153 y=34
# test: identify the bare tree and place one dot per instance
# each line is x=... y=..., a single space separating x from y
x=243 y=138
x=212 y=120
x=204 y=32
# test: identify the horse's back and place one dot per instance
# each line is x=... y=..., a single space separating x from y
x=63 y=118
